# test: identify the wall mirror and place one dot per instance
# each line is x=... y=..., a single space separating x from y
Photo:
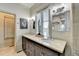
x=60 y=19
x=43 y=23
x=39 y=26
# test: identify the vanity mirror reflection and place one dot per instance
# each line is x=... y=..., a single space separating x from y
x=42 y=23
x=60 y=16
x=39 y=26
x=46 y=23
x=53 y=19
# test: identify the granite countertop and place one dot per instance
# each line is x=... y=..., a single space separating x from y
x=55 y=44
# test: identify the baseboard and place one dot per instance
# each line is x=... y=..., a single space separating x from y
x=19 y=51
x=11 y=46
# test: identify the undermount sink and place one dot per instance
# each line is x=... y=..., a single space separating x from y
x=43 y=40
x=46 y=41
x=39 y=35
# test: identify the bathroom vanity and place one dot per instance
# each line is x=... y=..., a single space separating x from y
x=34 y=45
x=51 y=19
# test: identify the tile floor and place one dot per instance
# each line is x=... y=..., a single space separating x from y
x=10 y=51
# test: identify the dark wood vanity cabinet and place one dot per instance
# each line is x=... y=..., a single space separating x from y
x=32 y=48
x=48 y=52
x=43 y=51
x=27 y=47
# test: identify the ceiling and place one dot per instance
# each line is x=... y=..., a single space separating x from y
x=28 y=5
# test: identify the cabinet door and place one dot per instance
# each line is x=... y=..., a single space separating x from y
x=28 y=47
x=38 y=50
x=23 y=43
x=31 y=48
x=27 y=51
x=48 y=52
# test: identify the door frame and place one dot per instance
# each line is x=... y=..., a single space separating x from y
x=14 y=25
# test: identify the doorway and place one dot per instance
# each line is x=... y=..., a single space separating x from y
x=8 y=20
x=9 y=30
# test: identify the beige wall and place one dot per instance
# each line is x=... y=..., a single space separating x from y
x=32 y=31
x=76 y=28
